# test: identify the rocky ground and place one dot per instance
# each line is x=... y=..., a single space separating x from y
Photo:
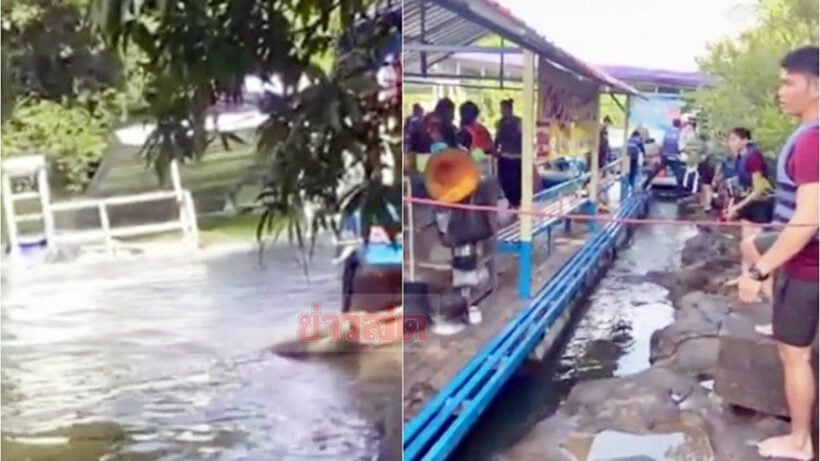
x=712 y=379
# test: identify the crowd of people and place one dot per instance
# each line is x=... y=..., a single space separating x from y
x=776 y=205
x=775 y=202
x=436 y=131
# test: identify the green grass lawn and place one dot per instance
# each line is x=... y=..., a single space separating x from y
x=217 y=171
x=219 y=229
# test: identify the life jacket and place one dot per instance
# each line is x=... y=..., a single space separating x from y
x=744 y=177
x=634 y=147
x=670 y=145
x=785 y=202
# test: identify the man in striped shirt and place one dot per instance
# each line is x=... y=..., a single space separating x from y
x=793 y=254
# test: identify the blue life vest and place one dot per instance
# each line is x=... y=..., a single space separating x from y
x=744 y=177
x=634 y=148
x=670 y=147
x=729 y=167
x=786 y=191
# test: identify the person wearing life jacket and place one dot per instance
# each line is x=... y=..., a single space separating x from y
x=755 y=200
x=792 y=256
x=508 y=149
x=670 y=157
x=416 y=139
x=635 y=149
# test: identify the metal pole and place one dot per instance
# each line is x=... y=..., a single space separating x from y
x=625 y=165
x=594 y=170
x=528 y=135
x=45 y=206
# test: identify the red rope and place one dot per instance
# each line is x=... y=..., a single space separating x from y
x=601 y=218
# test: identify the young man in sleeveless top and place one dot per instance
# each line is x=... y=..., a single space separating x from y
x=792 y=257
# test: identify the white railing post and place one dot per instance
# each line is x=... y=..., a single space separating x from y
x=11 y=217
x=411 y=249
x=106 y=227
x=45 y=204
x=193 y=227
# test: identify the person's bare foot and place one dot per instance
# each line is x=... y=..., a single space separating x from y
x=784 y=446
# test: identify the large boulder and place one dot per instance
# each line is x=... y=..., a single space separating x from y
x=749 y=373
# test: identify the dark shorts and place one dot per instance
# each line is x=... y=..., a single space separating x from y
x=707 y=173
x=759 y=211
x=795 y=313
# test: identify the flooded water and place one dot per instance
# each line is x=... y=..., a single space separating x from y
x=610 y=339
x=169 y=358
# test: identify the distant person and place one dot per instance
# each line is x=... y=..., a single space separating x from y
x=635 y=149
x=688 y=132
x=508 y=139
x=791 y=255
x=604 y=150
x=453 y=137
x=416 y=138
x=670 y=157
x=480 y=137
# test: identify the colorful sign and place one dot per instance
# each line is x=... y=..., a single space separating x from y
x=656 y=113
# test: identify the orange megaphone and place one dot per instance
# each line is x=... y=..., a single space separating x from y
x=451 y=176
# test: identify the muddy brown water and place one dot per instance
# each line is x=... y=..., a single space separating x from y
x=168 y=358
x=611 y=338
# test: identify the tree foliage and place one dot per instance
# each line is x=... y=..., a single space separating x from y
x=326 y=123
x=56 y=72
x=67 y=134
x=745 y=71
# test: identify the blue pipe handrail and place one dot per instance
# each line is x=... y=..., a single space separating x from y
x=488 y=370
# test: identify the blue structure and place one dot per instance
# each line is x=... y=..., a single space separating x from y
x=440 y=426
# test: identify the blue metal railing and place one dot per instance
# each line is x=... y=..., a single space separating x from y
x=438 y=428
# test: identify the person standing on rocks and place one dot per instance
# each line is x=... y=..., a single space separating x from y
x=793 y=257
x=756 y=203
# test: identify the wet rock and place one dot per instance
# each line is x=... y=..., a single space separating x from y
x=710 y=307
x=656 y=401
x=749 y=373
x=665 y=342
x=690 y=345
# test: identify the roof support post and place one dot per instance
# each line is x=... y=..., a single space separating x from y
x=594 y=170
x=424 y=36
x=527 y=151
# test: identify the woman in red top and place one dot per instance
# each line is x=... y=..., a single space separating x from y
x=479 y=135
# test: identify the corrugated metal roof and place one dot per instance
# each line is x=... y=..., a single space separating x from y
x=463 y=22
